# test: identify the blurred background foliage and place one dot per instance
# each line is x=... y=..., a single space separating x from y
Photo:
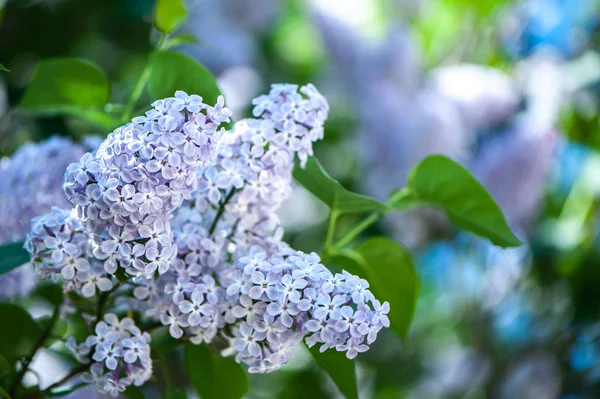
x=511 y=89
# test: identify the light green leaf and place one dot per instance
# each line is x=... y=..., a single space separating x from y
x=12 y=256
x=214 y=376
x=179 y=40
x=339 y=368
x=169 y=14
x=65 y=391
x=4 y=69
x=95 y=116
x=62 y=82
x=391 y=274
x=439 y=181
x=171 y=71
x=18 y=340
x=314 y=178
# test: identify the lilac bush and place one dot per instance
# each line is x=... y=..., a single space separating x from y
x=183 y=210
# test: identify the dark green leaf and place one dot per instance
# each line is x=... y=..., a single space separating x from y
x=174 y=71
x=12 y=256
x=4 y=69
x=5 y=367
x=59 y=329
x=314 y=178
x=19 y=333
x=86 y=304
x=175 y=393
x=50 y=292
x=339 y=368
x=214 y=376
x=439 y=181
x=389 y=269
x=162 y=341
x=169 y=14
x=133 y=392
x=62 y=82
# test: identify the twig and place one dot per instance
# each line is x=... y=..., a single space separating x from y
x=37 y=346
x=220 y=211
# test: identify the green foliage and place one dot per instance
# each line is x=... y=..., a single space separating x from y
x=58 y=82
x=169 y=14
x=6 y=372
x=133 y=392
x=174 y=393
x=5 y=367
x=50 y=292
x=314 y=178
x=389 y=269
x=19 y=333
x=65 y=391
x=439 y=181
x=60 y=328
x=179 y=40
x=339 y=368
x=68 y=86
x=173 y=71
x=214 y=376
x=12 y=255
x=4 y=69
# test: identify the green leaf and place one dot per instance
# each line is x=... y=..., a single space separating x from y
x=162 y=341
x=12 y=256
x=214 y=376
x=133 y=392
x=63 y=82
x=441 y=182
x=59 y=329
x=5 y=367
x=391 y=274
x=169 y=14
x=95 y=116
x=171 y=71
x=4 y=69
x=65 y=391
x=50 y=292
x=314 y=178
x=339 y=368
x=175 y=393
x=179 y=40
x=87 y=305
x=20 y=338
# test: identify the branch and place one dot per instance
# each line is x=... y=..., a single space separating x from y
x=37 y=346
x=220 y=211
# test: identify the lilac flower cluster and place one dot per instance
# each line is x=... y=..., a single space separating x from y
x=233 y=277
x=59 y=246
x=120 y=352
x=30 y=186
x=126 y=192
x=283 y=298
x=170 y=192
